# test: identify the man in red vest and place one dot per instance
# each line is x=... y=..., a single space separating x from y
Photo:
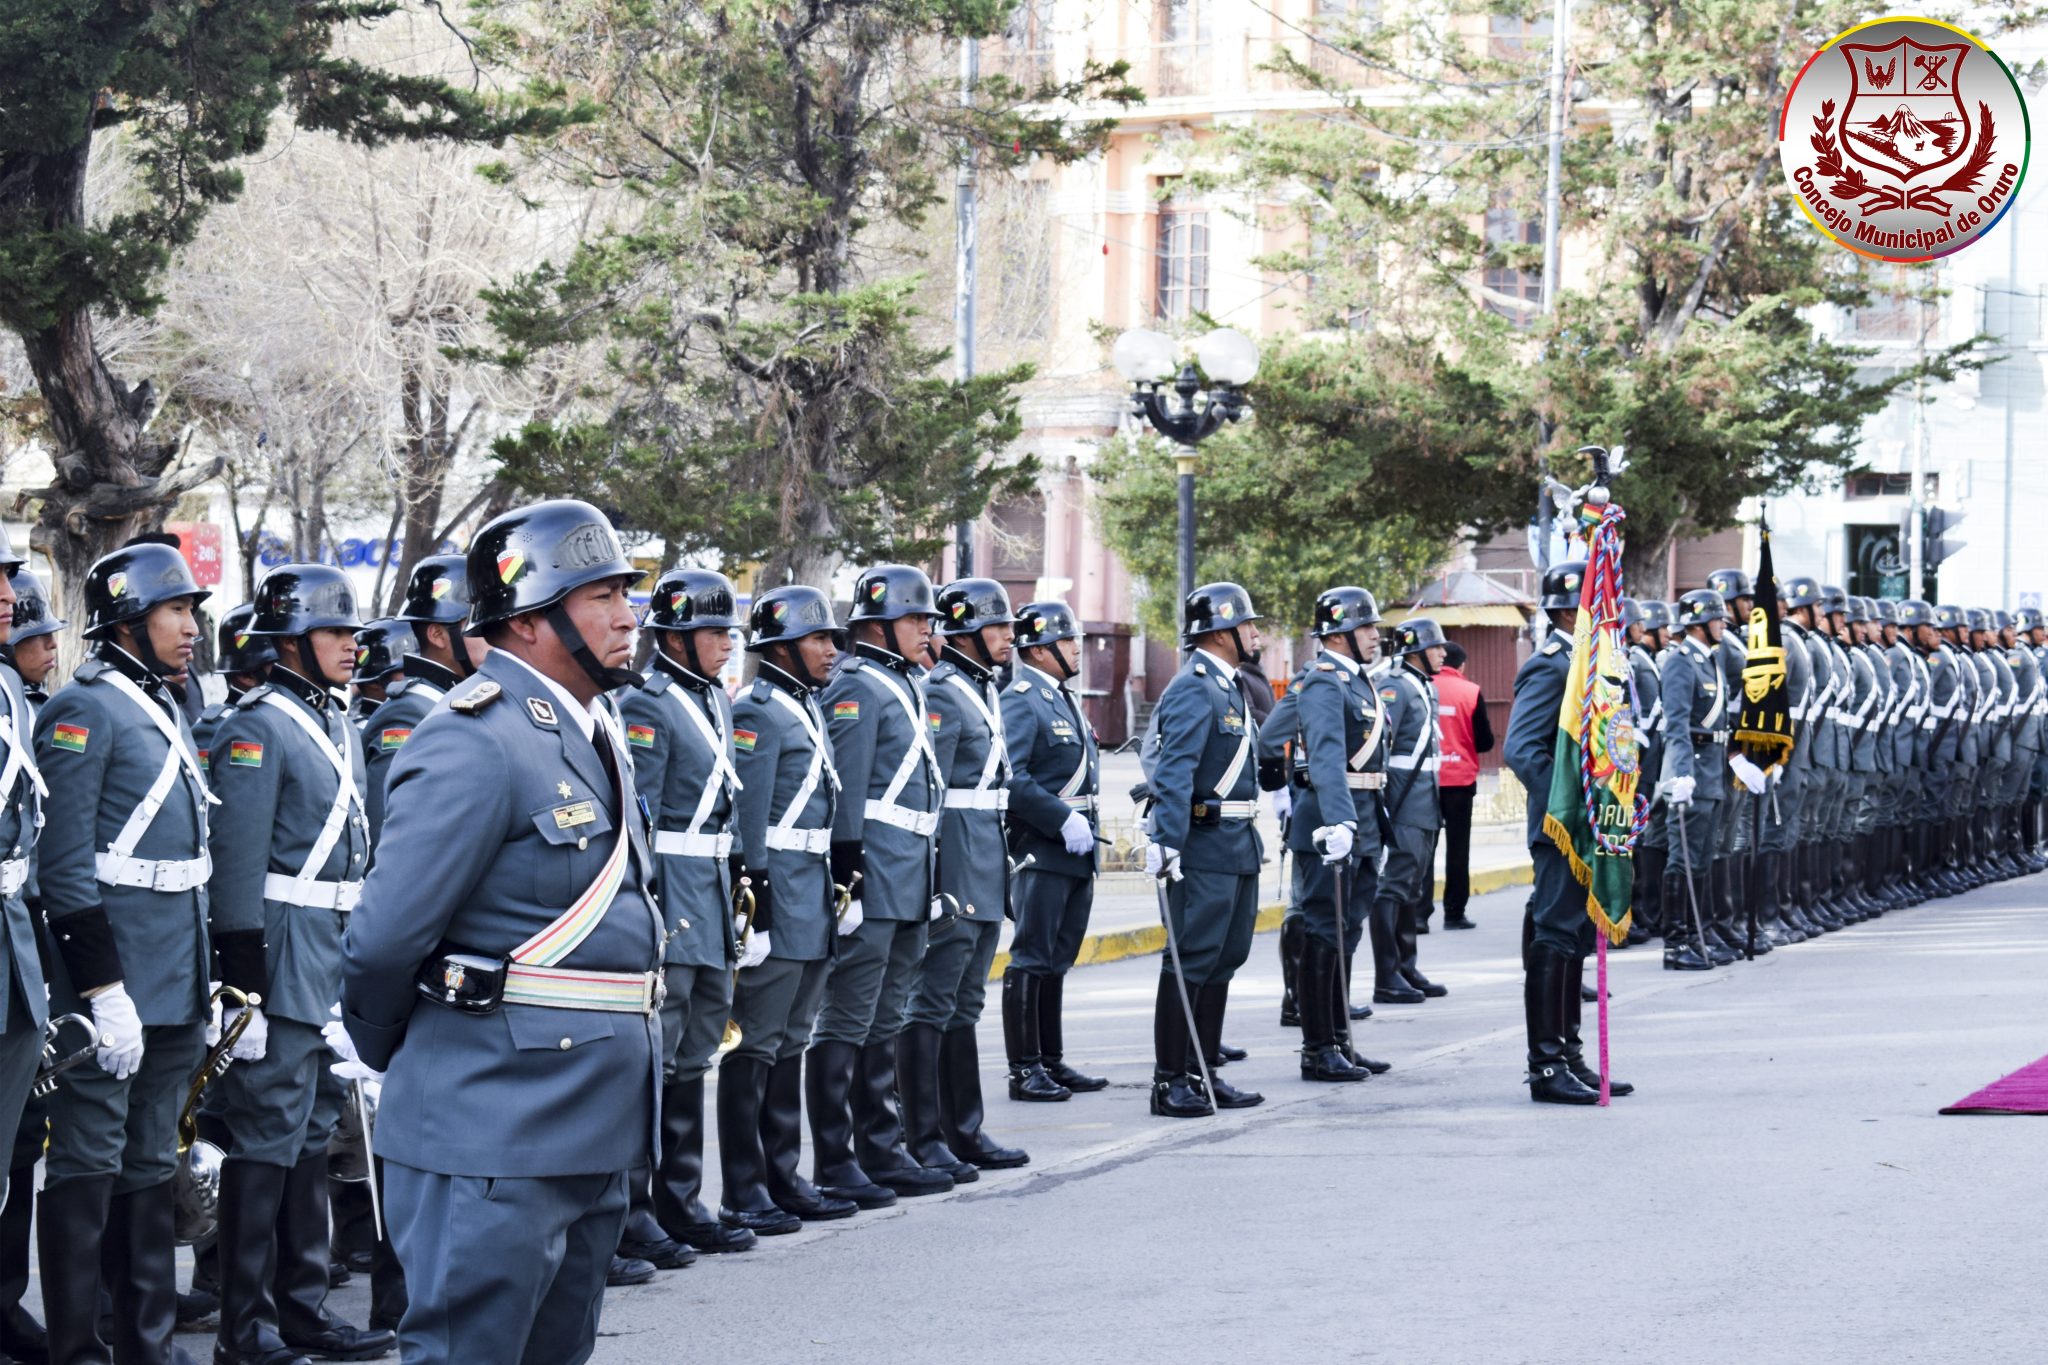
x=1467 y=733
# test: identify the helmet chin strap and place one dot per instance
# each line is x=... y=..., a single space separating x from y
x=1244 y=656
x=458 y=650
x=572 y=640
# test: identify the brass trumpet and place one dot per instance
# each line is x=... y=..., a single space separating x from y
x=743 y=905
x=845 y=900
x=196 y=1185
x=52 y=1066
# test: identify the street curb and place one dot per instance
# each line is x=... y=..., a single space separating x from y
x=1115 y=947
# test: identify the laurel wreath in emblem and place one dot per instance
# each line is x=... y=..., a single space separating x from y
x=1849 y=182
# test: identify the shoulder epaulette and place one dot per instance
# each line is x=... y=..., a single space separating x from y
x=470 y=703
x=1552 y=647
x=1201 y=670
x=851 y=662
x=1326 y=667
x=1020 y=687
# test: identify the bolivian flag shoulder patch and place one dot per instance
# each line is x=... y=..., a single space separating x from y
x=933 y=717
x=394 y=738
x=640 y=736
x=70 y=738
x=846 y=710
x=243 y=753
x=744 y=739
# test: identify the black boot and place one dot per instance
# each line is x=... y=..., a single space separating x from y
x=70 y=1227
x=21 y=1337
x=1389 y=987
x=643 y=1238
x=1291 y=936
x=961 y=1110
x=138 y=1259
x=251 y=1206
x=1341 y=1025
x=829 y=1071
x=679 y=1182
x=1052 y=1046
x=878 y=1127
x=782 y=1140
x=1209 y=1003
x=1574 y=1050
x=1176 y=1094
x=745 y=1205
x=1321 y=1058
x=301 y=1278
x=1023 y=1036
x=1543 y=1003
x=1682 y=951
x=1650 y=909
x=1406 y=925
x=1358 y=1011
x=918 y=1081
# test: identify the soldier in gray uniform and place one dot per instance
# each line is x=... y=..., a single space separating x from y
x=381 y=647
x=1644 y=625
x=938 y=1065
x=243 y=661
x=2031 y=628
x=1055 y=778
x=1783 y=835
x=1935 y=755
x=23 y=1008
x=1901 y=726
x=1205 y=845
x=122 y=868
x=1694 y=782
x=788 y=789
x=1408 y=861
x=508 y=980
x=2030 y=698
x=1733 y=885
x=679 y=732
x=885 y=830
x=1816 y=728
x=2004 y=720
x=290 y=845
x=1954 y=623
x=1859 y=711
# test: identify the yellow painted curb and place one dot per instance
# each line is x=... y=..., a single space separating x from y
x=1125 y=943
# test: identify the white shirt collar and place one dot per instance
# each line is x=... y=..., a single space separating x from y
x=586 y=716
x=1345 y=662
x=1049 y=679
x=1229 y=673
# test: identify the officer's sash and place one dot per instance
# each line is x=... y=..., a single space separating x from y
x=581 y=919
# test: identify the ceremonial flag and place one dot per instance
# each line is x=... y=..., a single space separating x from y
x=1765 y=728
x=1594 y=812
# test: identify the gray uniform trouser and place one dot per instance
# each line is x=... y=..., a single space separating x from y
x=1784 y=805
x=507 y=1269
x=693 y=1019
x=1214 y=915
x=1408 y=871
x=775 y=1005
x=871 y=981
x=1557 y=905
x=21 y=1048
x=954 y=983
x=275 y=1108
x=1315 y=893
x=1052 y=920
x=125 y=1129
x=1698 y=834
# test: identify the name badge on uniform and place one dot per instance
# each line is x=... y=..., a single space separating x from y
x=1233 y=721
x=1062 y=729
x=568 y=817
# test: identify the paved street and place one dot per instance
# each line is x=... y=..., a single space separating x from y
x=1779 y=1190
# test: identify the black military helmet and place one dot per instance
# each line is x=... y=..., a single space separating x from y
x=1416 y=634
x=1915 y=612
x=1700 y=606
x=1857 y=610
x=890 y=592
x=381 y=648
x=2001 y=619
x=1632 y=614
x=1562 y=584
x=438 y=591
x=1834 y=601
x=2028 y=618
x=530 y=558
x=1339 y=611
x=1046 y=623
x=1802 y=591
x=1980 y=619
x=127 y=584
x=10 y=562
x=294 y=598
x=1213 y=607
x=692 y=599
x=1656 y=616
x=240 y=651
x=32 y=615
x=1948 y=616
x=1884 y=611
x=791 y=613
x=968 y=604
x=1731 y=584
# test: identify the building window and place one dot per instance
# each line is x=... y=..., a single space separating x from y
x=1180 y=49
x=1025 y=55
x=1888 y=319
x=1510 y=37
x=1513 y=293
x=1183 y=256
x=1857 y=486
x=1338 y=21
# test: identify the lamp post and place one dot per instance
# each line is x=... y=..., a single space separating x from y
x=1187 y=411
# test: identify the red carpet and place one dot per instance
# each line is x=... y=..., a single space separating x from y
x=2023 y=1092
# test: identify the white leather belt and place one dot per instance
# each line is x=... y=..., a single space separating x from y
x=1080 y=802
x=977 y=798
x=1227 y=810
x=799 y=840
x=921 y=822
x=684 y=844
x=314 y=895
x=565 y=988
x=13 y=876
x=152 y=874
x=1365 y=782
x=1427 y=765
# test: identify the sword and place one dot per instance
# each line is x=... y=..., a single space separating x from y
x=1187 y=1007
x=1691 y=898
x=369 y=1158
x=1755 y=850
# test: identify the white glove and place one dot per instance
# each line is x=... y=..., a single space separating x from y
x=1747 y=773
x=1335 y=841
x=255 y=1039
x=1161 y=861
x=938 y=907
x=1282 y=802
x=338 y=1041
x=1075 y=832
x=213 y=1020
x=754 y=949
x=120 y=1030
x=355 y=1071
x=1678 y=790
x=1775 y=772
x=851 y=920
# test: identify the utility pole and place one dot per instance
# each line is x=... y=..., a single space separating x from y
x=1916 y=506
x=963 y=275
x=1553 y=191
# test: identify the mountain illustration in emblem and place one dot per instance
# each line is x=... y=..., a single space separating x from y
x=1913 y=142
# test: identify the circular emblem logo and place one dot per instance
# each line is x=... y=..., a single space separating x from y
x=877 y=590
x=1904 y=139
x=779 y=611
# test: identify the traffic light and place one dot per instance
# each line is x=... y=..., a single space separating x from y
x=1938 y=540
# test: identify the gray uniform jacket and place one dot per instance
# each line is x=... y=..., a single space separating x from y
x=2028 y=696
x=1531 y=748
x=501 y=817
x=1946 y=706
x=100 y=755
x=679 y=731
x=406 y=703
x=1802 y=696
x=1696 y=720
x=1055 y=770
x=1862 y=711
x=1909 y=688
x=21 y=815
x=1650 y=713
x=881 y=743
x=1413 y=748
x=967 y=718
x=1343 y=735
x=1820 y=711
x=290 y=843
x=787 y=791
x=1207 y=757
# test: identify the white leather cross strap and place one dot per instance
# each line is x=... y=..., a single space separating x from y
x=1419 y=758
x=13 y=876
x=307 y=888
x=20 y=756
x=692 y=842
x=116 y=865
x=885 y=807
x=997 y=765
x=113 y=678
x=1372 y=735
x=784 y=834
